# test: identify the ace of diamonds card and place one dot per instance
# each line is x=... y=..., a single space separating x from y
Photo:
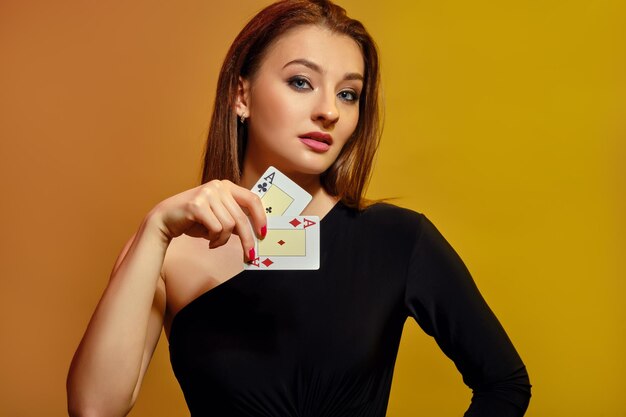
x=292 y=242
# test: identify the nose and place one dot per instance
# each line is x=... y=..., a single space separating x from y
x=326 y=110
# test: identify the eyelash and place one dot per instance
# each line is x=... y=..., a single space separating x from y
x=299 y=79
x=294 y=80
x=353 y=99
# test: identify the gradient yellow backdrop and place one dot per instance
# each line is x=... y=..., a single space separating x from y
x=504 y=124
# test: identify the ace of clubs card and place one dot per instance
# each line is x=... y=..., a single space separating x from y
x=280 y=195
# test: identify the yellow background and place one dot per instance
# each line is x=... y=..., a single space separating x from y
x=504 y=125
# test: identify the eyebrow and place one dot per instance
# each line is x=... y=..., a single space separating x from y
x=317 y=68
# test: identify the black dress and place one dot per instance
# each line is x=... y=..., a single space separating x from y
x=323 y=343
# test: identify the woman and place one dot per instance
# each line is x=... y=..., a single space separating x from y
x=298 y=90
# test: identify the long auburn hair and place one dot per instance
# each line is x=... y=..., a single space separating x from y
x=348 y=176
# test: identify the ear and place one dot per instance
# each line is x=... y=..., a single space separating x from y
x=241 y=102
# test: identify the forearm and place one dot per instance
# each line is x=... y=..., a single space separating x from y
x=107 y=364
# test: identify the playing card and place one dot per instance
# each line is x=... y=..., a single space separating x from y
x=292 y=242
x=280 y=195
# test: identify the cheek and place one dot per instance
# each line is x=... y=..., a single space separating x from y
x=273 y=112
x=352 y=120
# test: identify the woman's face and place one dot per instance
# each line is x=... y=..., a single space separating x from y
x=303 y=101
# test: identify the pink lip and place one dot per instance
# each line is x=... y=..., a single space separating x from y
x=317 y=141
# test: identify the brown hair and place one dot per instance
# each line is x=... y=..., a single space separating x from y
x=348 y=176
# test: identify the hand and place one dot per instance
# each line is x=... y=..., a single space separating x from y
x=214 y=211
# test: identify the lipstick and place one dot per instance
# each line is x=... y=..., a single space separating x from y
x=317 y=141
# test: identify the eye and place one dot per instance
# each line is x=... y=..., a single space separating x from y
x=349 y=96
x=300 y=83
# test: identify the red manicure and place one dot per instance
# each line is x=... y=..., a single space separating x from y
x=263 y=230
x=251 y=254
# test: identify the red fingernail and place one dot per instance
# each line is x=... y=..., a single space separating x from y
x=251 y=254
x=263 y=230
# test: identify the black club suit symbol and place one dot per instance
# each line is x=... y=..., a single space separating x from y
x=262 y=187
x=268 y=210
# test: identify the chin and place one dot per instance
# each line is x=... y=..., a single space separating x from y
x=311 y=166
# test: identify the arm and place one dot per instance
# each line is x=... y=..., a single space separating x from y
x=111 y=360
x=445 y=302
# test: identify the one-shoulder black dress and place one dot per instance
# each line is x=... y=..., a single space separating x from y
x=323 y=343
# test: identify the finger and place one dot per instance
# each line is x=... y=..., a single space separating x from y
x=252 y=203
x=203 y=218
x=243 y=227
x=226 y=221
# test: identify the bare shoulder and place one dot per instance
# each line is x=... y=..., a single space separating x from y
x=190 y=269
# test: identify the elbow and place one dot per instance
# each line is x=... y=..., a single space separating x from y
x=519 y=383
x=81 y=408
x=74 y=411
x=525 y=386
x=86 y=410
x=77 y=409
x=81 y=405
x=508 y=396
x=85 y=398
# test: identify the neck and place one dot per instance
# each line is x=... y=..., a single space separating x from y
x=320 y=204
